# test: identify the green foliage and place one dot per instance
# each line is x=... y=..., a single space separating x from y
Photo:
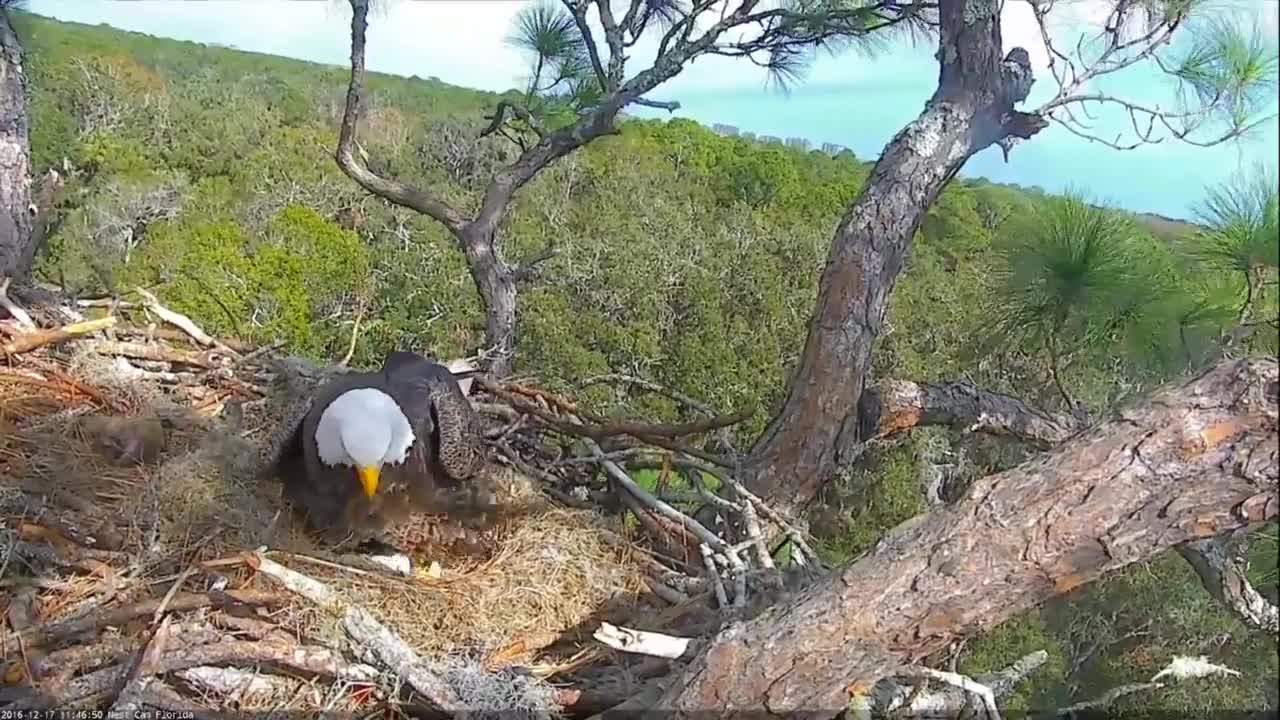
x=1227 y=71
x=882 y=493
x=280 y=287
x=1242 y=233
x=1065 y=272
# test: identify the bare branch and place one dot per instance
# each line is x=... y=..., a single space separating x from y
x=1222 y=569
x=499 y=117
x=897 y=405
x=385 y=188
x=670 y=106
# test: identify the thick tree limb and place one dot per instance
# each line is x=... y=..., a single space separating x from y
x=17 y=248
x=39 y=338
x=816 y=431
x=897 y=405
x=385 y=188
x=1197 y=459
x=1222 y=570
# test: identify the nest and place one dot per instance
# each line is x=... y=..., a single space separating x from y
x=77 y=521
x=152 y=573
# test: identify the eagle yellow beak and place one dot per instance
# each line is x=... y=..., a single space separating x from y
x=368 y=475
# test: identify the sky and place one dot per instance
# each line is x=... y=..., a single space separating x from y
x=849 y=99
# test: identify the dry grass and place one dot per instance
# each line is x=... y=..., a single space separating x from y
x=549 y=571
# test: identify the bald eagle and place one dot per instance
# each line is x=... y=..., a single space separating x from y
x=374 y=447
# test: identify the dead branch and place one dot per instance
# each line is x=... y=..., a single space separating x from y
x=235 y=682
x=662 y=508
x=311 y=660
x=367 y=633
x=40 y=338
x=140 y=677
x=160 y=353
x=898 y=699
x=604 y=428
x=686 y=400
x=180 y=321
x=709 y=562
x=1223 y=570
x=896 y=405
x=182 y=602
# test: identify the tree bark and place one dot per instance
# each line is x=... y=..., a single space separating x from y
x=1195 y=460
x=892 y=406
x=496 y=282
x=897 y=405
x=816 y=431
x=17 y=250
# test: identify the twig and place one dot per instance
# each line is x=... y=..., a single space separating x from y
x=180 y=321
x=15 y=311
x=39 y=338
x=183 y=602
x=752 y=524
x=367 y=632
x=708 y=560
x=139 y=678
x=617 y=473
x=355 y=332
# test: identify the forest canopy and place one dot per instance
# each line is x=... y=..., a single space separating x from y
x=206 y=175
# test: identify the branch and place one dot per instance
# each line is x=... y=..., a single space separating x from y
x=183 y=602
x=1223 y=572
x=896 y=405
x=670 y=106
x=39 y=338
x=366 y=632
x=1196 y=459
x=892 y=698
x=638 y=430
x=527 y=269
x=499 y=116
x=385 y=188
x=180 y=321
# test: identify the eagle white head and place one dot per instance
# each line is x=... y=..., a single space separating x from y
x=364 y=429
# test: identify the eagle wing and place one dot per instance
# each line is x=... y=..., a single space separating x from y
x=432 y=399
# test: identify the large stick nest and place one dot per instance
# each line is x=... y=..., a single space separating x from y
x=141 y=573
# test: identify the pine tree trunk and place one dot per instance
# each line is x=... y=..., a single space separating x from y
x=17 y=250
x=496 y=282
x=817 y=430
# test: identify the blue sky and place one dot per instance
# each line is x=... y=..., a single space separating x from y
x=850 y=100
